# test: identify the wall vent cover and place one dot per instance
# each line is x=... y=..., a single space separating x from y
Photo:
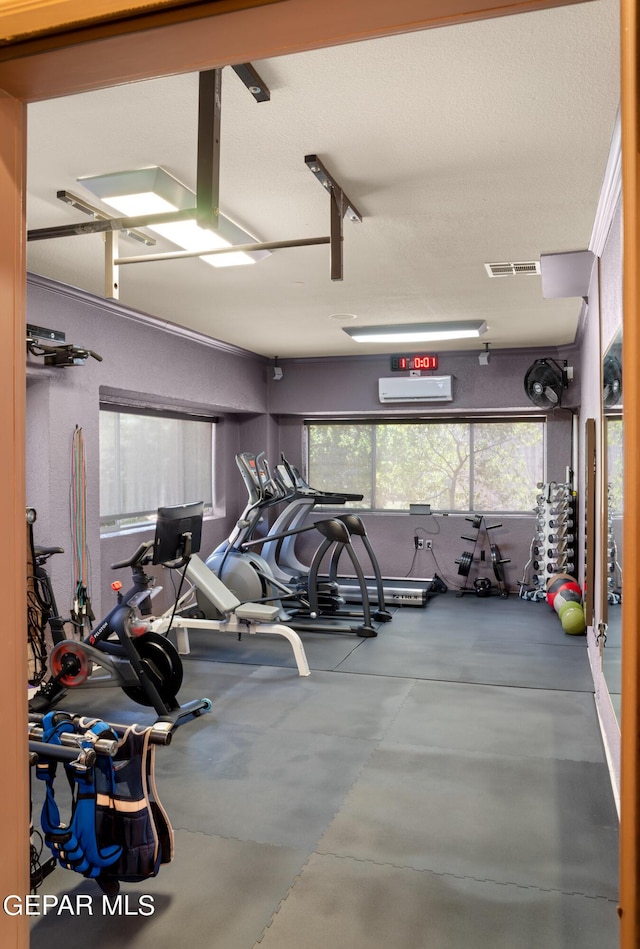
x=513 y=269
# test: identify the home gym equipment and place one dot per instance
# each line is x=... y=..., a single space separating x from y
x=553 y=546
x=76 y=844
x=482 y=586
x=383 y=591
x=376 y=592
x=545 y=381
x=58 y=353
x=573 y=621
x=300 y=500
x=560 y=585
x=248 y=576
x=81 y=613
x=564 y=594
x=278 y=546
x=232 y=615
x=118 y=830
x=42 y=609
x=123 y=650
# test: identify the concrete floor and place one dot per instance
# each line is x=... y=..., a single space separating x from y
x=442 y=785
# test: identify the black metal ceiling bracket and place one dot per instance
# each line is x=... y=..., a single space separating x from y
x=208 y=168
x=327 y=181
x=253 y=81
x=340 y=205
x=68 y=197
x=208 y=172
x=215 y=252
x=206 y=211
x=109 y=224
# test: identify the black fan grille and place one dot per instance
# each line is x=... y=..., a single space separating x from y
x=543 y=383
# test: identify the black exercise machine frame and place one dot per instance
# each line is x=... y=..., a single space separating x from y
x=206 y=211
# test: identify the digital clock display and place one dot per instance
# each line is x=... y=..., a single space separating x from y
x=418 y=361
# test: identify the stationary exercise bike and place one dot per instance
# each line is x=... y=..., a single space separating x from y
x=122 y=650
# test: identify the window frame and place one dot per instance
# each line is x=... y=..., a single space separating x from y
x=469 y=420
x=113 y=525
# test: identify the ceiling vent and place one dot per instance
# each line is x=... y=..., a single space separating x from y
x=513 y=269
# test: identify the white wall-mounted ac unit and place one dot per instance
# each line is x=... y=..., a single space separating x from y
x=415 y=389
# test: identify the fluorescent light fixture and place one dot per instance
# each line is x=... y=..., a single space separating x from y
x=416 y=332
x=152 y=191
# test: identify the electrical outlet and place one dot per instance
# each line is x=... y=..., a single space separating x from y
x=419 y=542
x=428 y=544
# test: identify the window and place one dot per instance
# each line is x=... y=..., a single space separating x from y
x=454 y=465
x=151 y=460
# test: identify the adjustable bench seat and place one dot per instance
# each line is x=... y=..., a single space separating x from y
x=235 y=616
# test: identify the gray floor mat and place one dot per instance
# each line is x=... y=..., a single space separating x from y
x=345 y=903
x=217 y=892
x=441 y=785
x=526 y=821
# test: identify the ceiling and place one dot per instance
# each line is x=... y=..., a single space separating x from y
x=460 y=146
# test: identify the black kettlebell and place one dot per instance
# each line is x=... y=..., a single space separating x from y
x=482 y=586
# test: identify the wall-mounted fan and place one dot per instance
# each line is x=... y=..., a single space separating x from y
x=544 y=381
x=611 y=380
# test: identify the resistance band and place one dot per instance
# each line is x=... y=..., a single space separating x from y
x=81 y=612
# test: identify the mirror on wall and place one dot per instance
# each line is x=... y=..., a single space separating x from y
x=589 y=519
x=613 y=432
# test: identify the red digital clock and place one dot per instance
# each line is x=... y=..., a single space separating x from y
x=418 y=361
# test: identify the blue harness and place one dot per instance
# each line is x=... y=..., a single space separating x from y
x=77 y=845
x=118 y=828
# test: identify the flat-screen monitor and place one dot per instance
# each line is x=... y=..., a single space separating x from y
x=178 y=532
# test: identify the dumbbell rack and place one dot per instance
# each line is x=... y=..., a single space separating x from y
x=553 y=545
x=482 y=586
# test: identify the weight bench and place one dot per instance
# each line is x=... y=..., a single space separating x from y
x=236 y=617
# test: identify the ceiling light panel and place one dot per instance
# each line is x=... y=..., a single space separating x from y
x=417 y=332
x=154 y=191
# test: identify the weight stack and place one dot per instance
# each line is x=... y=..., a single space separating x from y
x=554 y=542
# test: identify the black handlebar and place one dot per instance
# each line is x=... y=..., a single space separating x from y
x=141 y=555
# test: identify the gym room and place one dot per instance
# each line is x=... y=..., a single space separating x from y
x=323 y=442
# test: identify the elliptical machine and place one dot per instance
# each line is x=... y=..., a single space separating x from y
x=248 y=575
x=303 y=499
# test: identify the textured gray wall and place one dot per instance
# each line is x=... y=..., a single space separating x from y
x=150 y=363
x=143 y=362
x=317 y=387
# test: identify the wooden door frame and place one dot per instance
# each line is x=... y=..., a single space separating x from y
x=14 y=775
x=629 y=906
x=235 y=31
x=59 y=53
